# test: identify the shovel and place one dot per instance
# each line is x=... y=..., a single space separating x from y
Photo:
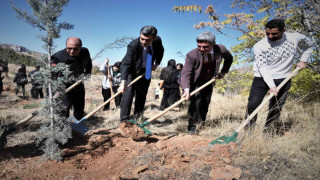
x=233 y=137
x=12 y=128
x=146 y=131
x=110 y=85
x=79 y=127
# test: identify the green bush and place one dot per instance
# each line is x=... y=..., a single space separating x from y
x=235 y=82
x=306 y=83
x=14 y=58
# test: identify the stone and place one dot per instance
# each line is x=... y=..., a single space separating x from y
x=139 y=170
x=228 y=172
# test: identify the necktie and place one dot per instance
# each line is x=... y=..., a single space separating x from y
x=209 y=58
x=149 y=63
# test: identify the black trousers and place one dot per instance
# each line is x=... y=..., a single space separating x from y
x=106 y=93
x=258 y=90
x=36 y=91
x=170 y=96
x=75 y=99
x=138 y=90
x=1 y=85
x=23 y=89
x=199 y=104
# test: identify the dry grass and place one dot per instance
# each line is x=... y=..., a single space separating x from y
x=294 y=155
x=293 y=152
x=23 y=135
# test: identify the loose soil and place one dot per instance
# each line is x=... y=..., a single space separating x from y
x=106 y=154
x=129 y=129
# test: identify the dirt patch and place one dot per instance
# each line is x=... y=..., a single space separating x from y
x=108 y=154
x=9 y=88
x=129 y=129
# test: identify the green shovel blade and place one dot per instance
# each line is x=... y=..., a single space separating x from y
x=225 y=139
x=142 y=126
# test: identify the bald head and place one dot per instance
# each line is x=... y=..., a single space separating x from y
x=74 y=45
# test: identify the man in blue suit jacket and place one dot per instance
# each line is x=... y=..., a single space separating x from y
x=135 y=63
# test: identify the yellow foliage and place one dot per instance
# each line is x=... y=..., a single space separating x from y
x=264 y=20
x=252 y=33
x=280 y=9
x=189 y=8
x=263 y=9
x=228 y=21
x=243 y=37
x=249 y=16
x=251 y=27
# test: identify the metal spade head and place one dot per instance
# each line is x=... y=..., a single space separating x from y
x=77 y=125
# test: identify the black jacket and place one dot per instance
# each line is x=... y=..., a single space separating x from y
x=170 y=78
x=132 y=62
x=78 y=65
x=21 y=77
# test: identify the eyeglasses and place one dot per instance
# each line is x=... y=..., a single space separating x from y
x=204 y=47
x=75 y=49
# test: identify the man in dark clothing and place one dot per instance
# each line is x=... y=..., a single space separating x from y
x=171 y=93
x=1 y=84
x=143 y=54
x=5 y=68
x=201 y=65
x=21 y=80
x=36 y=89
x=79 y=61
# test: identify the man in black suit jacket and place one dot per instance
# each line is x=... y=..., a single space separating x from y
x=134 y=64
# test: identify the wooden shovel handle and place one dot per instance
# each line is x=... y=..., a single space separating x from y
x=110 y=83
x=34 y=113
x=112 y=97
x=73 y=86
x=180 y=101
x=18 y=124
x=255 y=112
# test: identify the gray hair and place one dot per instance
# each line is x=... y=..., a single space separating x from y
x=206 y=37
x=149 y=30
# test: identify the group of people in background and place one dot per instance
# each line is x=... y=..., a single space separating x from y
x=21 y=80
x=274 y=56
x=3 y=69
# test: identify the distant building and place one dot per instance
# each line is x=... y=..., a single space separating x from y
x=15 y=47
x=20 y=49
